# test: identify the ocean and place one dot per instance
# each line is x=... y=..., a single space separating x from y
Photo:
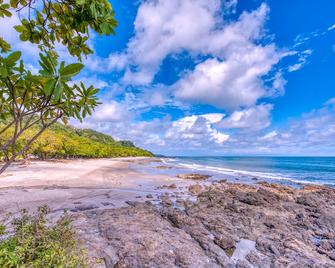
x=286 y=170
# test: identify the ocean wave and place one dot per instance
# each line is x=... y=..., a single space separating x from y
x=251 y=174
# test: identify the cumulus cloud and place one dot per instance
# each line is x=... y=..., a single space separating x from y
x=197 y=130
x=170 y=26
x=254 y=118
x=216 y=133
x=104 y=116
x=227 y=84
x=313 y=133
x=231 y=78
x=234 y=77
x=110 y=112
x=114 y=62
x=8 y=33
x=232 y=44
x=91 y=80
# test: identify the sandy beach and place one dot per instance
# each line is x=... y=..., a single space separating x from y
x=69 y=184
x=130 y=218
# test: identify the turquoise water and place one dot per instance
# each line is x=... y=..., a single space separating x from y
x=287 y=170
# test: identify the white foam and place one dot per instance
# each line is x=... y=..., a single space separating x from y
x=239 y=172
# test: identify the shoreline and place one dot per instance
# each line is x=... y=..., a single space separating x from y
x=73 y=184
x=127 y=217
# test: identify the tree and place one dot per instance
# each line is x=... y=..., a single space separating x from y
x=27 y=99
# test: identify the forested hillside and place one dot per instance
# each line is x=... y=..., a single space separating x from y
x=60 y=141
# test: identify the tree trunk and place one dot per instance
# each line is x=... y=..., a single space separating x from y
x=6 y=165
x=26 y=147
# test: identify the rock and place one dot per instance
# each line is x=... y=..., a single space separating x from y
x=274 y=250
x=120 y=264
x=180 y=201
x=250 y=199
x=225 y=242
x=107 y=204
x=141 y=237
x=166 y=201
x=164 y=167
x=224 y=221
x=243 y=264
x=83 y=208
x=307 y=200
x=195 y=189
x=193 y=176
x=172 y=186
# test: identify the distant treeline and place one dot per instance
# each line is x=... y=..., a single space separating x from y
x=62 y=141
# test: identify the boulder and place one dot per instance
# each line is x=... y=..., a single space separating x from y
x=195 y=189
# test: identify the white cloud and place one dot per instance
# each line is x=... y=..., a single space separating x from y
x=269 y=136
x=114 y=62
x=313 y=133
x=6 y=29
x=91 y=81
x=167 y=27
x=331 y=27
x=109 y=112
x=234 y=77
x=232 y=44
x=254 y=118
x=8 y=33
x=196 y=130
x=228 y=84
x=303 y=56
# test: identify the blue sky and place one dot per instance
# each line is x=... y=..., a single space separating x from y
x=200 y=77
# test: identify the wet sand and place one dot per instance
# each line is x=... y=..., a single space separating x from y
x=80 y=184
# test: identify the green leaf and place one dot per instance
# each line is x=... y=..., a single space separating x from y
x=71 y=70
x=20 y=28
x=13 y=57
x=58 y=91
x=4 y=46
x=39 y=17
x=80 y=2
x=46 y=64
x=93 y=10
x=14 y=3
x=49 y=86
x=21 y=67
x=3 y=72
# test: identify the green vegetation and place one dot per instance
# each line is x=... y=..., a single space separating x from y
x=37 y=101
x=62 y=141
x=36 y=242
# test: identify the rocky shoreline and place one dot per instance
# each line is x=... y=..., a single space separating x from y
x=229 y=225
x=128 y=218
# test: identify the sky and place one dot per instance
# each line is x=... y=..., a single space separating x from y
x=214 y=77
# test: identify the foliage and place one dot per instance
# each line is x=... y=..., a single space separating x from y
x=127 y=143
x=29 y=100
x=62 y=141
x=36 y=242
x=94 y=135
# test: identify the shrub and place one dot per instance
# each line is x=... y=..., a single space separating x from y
x=36 y=242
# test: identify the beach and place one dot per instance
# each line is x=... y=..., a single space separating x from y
x=66 y=184
x=128 y=217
